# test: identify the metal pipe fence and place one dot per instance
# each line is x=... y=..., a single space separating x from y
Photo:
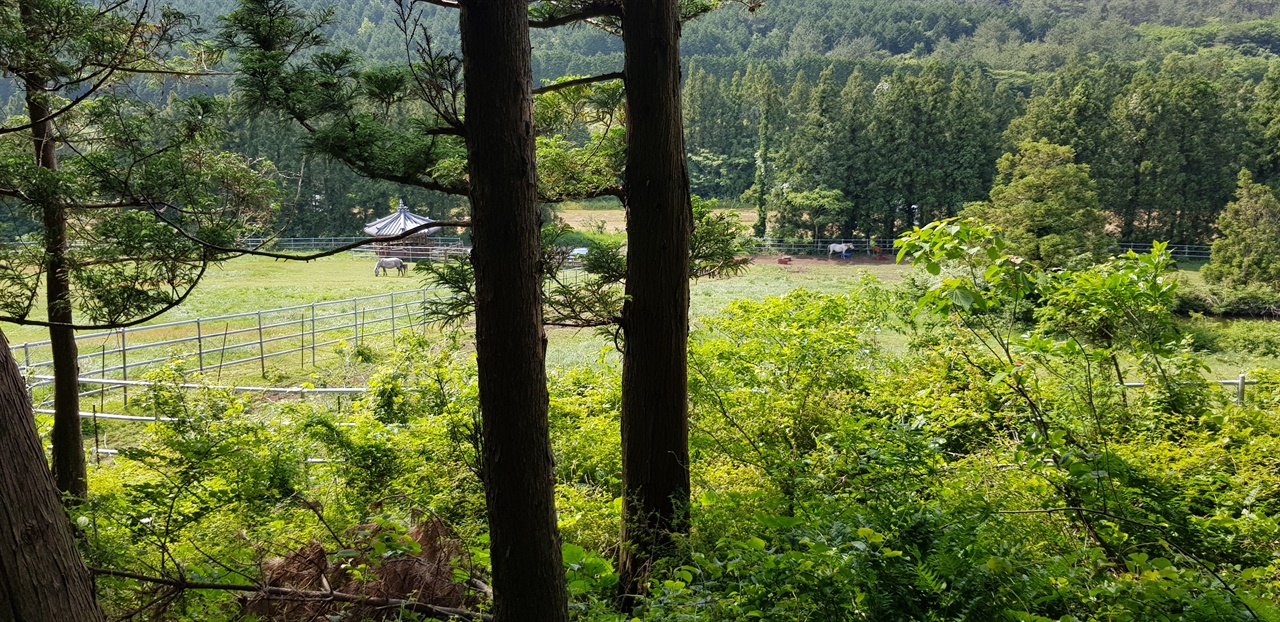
x=322 y=244
x=214 y=343
x=108 y=358
x=764 y=246
x=1193 y=252
x=1238 y=384
x=773 y=246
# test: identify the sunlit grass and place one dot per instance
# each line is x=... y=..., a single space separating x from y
x=253 y=283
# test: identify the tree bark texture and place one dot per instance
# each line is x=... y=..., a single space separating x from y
x=68 y=448
x=655 y=408
x=528 y=573
x=42 y=577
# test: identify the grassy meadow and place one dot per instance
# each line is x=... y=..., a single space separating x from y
x=253 y=283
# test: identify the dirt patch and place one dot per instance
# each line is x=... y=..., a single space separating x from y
x=806 y=261
x=615 y=220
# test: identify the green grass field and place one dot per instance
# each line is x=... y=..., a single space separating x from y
x=254 y=283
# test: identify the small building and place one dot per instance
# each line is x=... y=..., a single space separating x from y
x=412 y=248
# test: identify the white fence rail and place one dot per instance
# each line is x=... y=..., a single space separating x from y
x=1239 y=384
x=214 y=343
x=764 y=246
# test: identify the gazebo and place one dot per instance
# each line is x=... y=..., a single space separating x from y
x=414 y=247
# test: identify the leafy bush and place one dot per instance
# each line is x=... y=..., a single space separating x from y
x=1258 y=337
x=1254 y=300
x=994 y=473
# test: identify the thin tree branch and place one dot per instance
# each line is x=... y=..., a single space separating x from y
x=113 y=325
x=92 y=90
x=333 y=251
x=444 y=131
x=176 y=72
x=617 y=75
x=434 y=611
x=585 y=15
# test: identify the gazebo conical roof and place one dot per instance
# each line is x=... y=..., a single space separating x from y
x=399 y=222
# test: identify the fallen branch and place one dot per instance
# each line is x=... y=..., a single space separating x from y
x=433 y=611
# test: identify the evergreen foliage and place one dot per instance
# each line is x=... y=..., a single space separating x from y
x=1248 y=252
x=1047 y=207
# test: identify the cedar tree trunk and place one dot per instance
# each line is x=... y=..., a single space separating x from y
x=68 y=448
x=528 y=573
x=41 y=574
x=655 y=407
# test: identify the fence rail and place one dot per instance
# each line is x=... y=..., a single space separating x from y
x=1194 y=252
x=771 y=246
x=764 y=246
x=240 y=338
x=322 y=244
x=1239 y=384
x=217 y=342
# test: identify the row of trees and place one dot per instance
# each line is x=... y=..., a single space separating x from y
x=887 y=153
x=875 y=156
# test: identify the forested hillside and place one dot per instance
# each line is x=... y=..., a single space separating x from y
x=864 y=117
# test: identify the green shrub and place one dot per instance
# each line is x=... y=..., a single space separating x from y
x=1254 y=300
x=1258 y=337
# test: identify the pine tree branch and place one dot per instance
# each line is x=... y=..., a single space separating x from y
x=333 y=251
x=583 y=15
x=617 y=75
x=114 y=325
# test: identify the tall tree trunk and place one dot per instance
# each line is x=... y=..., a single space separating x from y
x=41 y=574
x=762 y=179
x=68 y=448
x=528 y=573
x=655 y=407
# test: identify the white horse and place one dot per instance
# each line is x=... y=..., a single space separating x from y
x=839 y=248
x=387 y=263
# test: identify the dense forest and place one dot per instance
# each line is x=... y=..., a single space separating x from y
x=863 y=117
x=1016 y=421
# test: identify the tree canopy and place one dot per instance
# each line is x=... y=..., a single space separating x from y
x=1249 y=250
x=1047 y=207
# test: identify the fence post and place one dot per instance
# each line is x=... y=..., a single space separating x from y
x=393 y=319
x=124 y=365
x=302 y=347
x=1240 y=392
x=200 y=345
x=355 y=319
x=262 y=357
x=313 y=334
x=102 y=373
x=26 y=356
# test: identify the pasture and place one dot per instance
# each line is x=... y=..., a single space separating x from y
x=248 y=284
